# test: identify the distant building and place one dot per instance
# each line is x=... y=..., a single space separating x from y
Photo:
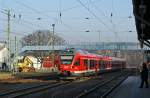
x=3 y=56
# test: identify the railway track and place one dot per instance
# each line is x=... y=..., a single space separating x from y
x=104 y=89
x=30 y=90
x=73 y=89
x=35 y=89
x=81 y=88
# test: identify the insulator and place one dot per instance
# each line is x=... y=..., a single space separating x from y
x=14 y=16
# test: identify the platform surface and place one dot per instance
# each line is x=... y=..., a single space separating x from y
x=130 y=89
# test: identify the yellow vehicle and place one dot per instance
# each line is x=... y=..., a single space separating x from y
x=24 y=64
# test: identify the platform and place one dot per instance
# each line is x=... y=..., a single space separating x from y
x=130 y=89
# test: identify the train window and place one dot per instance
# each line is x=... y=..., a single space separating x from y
x=66 y=59
x=77 y=63
x=67 y=62
x=95 y=62
x=101 y=64
x=92 y=63
x=113 y=63
x=85 y=62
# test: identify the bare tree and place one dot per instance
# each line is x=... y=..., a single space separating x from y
x=42 y=37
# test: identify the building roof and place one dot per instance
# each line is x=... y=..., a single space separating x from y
x=141 y=10
x=43 y=48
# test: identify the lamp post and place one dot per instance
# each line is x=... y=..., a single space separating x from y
x=99 y=36
x=7 y=12
x=53 y=41
x=53 y=25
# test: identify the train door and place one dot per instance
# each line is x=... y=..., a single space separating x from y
x=93 y=65
x=97 y=67
x=77 y=63
x=108 y=65
x=87 y=65
x=101 y=65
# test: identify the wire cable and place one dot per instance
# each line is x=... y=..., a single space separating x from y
x=94 y=15
x=97 y=8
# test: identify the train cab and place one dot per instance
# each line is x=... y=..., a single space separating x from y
x=66 y=59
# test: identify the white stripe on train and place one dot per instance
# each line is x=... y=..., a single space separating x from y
x=91 y=70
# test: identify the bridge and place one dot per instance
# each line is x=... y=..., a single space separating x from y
x=88 y=46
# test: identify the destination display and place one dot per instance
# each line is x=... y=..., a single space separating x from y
x=66 y=57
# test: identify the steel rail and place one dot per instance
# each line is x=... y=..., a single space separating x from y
x=34 y=89
x=85 y=93
x=113 y=88
x=30 y=90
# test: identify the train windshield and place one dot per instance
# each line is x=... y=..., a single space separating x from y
x=66 y=59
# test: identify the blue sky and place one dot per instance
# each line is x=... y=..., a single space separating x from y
x=73 y=23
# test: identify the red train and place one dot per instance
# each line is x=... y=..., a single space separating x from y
x=47 y=62
x=82 y=63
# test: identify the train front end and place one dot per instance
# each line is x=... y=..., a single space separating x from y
x=66 y=59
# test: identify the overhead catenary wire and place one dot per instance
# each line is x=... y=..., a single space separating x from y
x=23 y=21
x=94 y=15
x=13 y=32
x=60 y=13
x=64 y=20
x=109 y=19
x=98 y=9
x=32 y=9
x=76 y=6
x=111 y=16
x=55 y=11
x=24 y=24
x=12 y=19
x=38 y=12
x=56 y=20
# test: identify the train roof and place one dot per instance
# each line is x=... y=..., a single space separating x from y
x=85 y=54
x=91 y=55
